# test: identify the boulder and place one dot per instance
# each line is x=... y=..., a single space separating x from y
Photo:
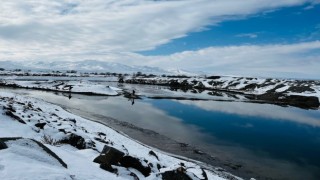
x=12 y=115
x=131 y=162
x=40 y=125
x=75 y=141
x=108 y=167
x=178 y=174
x=3 y=145
x=109 y=155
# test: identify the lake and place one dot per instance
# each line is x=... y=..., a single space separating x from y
x=247 y=139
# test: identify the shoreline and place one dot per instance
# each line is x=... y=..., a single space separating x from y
x=167 y=145
x=130 y=145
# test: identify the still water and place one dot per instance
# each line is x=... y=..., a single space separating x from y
x=267 y=141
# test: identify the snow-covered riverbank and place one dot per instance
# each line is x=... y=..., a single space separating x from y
x=77 y=142
x=299 y=93
x=82 y=87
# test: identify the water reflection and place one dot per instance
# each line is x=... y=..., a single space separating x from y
x=271 y=140
x=297 y=115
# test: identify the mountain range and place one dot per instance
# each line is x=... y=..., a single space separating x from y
x=85 y=65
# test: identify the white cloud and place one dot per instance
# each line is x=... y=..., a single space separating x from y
x=248 y=35
x=112 y=30
x=281 y=60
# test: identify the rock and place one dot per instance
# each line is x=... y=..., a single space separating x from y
x=214 y=77
x=40 y=125
x=306 y=102
x=303 y=101
x=3 y=145
x=175 y=175
x=62 y=130
x=75 y=141
x=108 y=167
x=10 y=113
x=101 y=134
x=159 y=166
x=131 y=162
x=72 y=120
x=153 y=154
x=135 y=177
x=204 y=174
x=109 y=155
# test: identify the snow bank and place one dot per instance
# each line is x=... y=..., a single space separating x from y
x=21 y=161
x=84 y=87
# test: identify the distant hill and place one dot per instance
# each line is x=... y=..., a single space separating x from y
x=85 y=65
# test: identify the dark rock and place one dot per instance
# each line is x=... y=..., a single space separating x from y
x=72 y=120
x=150 y=165
x=214 y=77
x=9 y=108
x=75 y=141
x=101 y=140
x=63 y=130
x=204 y=174
x=135 y=177
x=101 y=134
x=306 y=102
x=108 y=167
x=249 y=87
x=109 y=155
x=3 y=145
x=303 y=101
x=40 y=125
x=131 y=162
x=153 y=154
x=175 y=175
x=300 y=89
x=10 y=113
x=38 y=109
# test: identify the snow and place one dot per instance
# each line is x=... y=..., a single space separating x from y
x=239 y=84
x=27 y=161
x=24 y=159
x=63 y=86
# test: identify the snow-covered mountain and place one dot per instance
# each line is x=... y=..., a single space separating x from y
x=85 y=65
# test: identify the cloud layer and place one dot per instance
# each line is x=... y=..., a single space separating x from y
x=113 y=30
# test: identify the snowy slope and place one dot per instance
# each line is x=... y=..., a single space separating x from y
x=35 y=119
x=83 y=87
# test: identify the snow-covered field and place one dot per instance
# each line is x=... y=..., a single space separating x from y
x=255 y=86
x=84 y=87
x=298 y=93
x=74 y=143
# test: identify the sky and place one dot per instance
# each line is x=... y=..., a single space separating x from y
x=269 y=38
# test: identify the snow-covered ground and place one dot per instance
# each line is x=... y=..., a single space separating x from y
x=38 y=120
x=85 y=87
x=256 y=86
x=299 y=93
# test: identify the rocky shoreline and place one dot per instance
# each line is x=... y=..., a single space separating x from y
x=298 y=93
x=49 y=126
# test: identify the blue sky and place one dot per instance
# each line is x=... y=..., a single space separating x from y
x=228 y=37
x=280 y=26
